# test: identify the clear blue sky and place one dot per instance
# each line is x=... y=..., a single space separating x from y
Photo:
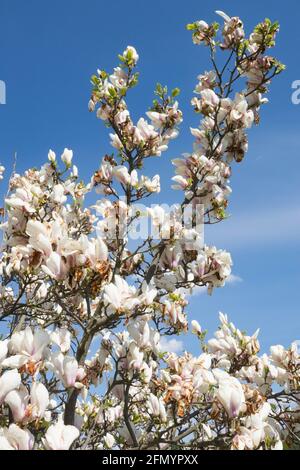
x=48 y=52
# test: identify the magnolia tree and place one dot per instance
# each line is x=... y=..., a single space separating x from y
x=87 y=293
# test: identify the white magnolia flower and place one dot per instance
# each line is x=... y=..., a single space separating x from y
x=55 y=266
x=25 y=407
x=60 y=436
x=196 y=328
x=3 y=350
x=39 y=399
x=158 y=119
x=157 y=214
x=121 y=174
x=66 y=157
x=148 y=294
x=58 y=194
x=240 y=112
x=61 y=337
x=9 y=381
x=156 y=407
x=39 y=237
x=144 y=131
x=115 y=141
x=181 y=182
x=15 y=438
x=67 y=369
x=51 y=156
x=131 y=54
x=119 y=295
x=27 y=347
x=135 y=357
x=230 y=393
x=109 y=440
x=151 y=185
x=223 y=15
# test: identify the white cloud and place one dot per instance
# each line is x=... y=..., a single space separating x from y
x=171 y=345
x=234 y=279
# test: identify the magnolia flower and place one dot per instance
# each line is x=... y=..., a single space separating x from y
x=148 y=294
x=58 y=194
x=152 y=186
x=51 y=156
x=240 y=112
x=156 y=407
x=122 y=116
x=74 y=173
x=229 y=393
x=174 y=313
x=208 y=80
x=103 y=112
x=3 y=350
x=39 y=399
x=157 y=215
x=131 y=55
x=67 y=368
x=60 y=437
x=158 y=119
x=109 y=440
x=15 y=438
x=225 y=17
x=140 y=332
x=55 y=266
x=119 y=77
x=243 y=440
x=66 y=157
x=196 y=328
x=39 y=237
x=27 y=347
x=209 y=101
x=9 y=381
x=18 y=401
x=181 y=182
x=115 y=141
x=61 y=337
x=91 y=105
x=121 y=174
x=135 y=357
x=119 y=295
x=202 y=28
x=144 y=131
x=233 y=31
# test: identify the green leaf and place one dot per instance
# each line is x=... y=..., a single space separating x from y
x=191 y=26
x=94 y=79
x=112 y=92
x=175 y=92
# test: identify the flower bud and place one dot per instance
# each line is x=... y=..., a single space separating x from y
x=67 y=157
x=51 y=156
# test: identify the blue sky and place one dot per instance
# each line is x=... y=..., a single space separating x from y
x=49 y=51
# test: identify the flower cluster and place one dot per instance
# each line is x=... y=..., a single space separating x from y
x=86 y=309
x=134 y=142
x=221 y=136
